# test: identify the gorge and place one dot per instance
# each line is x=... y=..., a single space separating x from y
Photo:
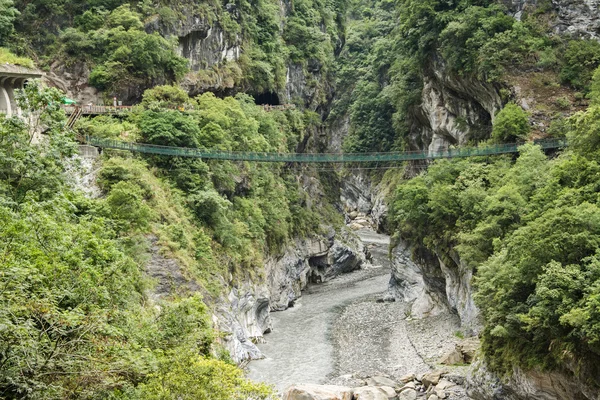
x=146 y=276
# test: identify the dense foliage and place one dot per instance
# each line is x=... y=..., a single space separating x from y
x=76 y=318
x=132 y=46
x=531 y=231
x=382 y=67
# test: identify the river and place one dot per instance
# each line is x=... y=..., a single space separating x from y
x=300 y=348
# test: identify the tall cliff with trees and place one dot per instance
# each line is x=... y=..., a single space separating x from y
x=516 y=234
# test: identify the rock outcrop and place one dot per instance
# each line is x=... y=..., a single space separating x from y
x=575 y=17
x=363 y=198
x=245 y=314
x=533 y=384
x=418 y=281
x=454 y=109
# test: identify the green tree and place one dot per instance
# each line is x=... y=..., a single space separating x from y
x=510 y=124
x=195 y=377
x=8 y=14
x=581 y=58
x=165 y=96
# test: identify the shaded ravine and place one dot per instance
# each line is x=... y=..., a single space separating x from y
x=300 y=348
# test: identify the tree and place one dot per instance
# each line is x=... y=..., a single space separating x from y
x=510 y=124
x=8 y=14
x=581 y=58
x=165 y=96
x=594 y=94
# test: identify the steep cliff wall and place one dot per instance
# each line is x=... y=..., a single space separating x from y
x=454 y=109
x=244 y=316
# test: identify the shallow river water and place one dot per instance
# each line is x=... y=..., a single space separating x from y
x=300 y=349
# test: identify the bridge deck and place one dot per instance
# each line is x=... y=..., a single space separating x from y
x=100 y=110
x=318 y=157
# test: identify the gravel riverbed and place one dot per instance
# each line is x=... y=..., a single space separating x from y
x=340 y=331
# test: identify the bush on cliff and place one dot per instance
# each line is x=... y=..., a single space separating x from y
x=511 y=123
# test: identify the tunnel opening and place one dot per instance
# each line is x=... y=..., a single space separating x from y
x=267 y=99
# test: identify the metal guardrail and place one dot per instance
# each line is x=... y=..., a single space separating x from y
x=95 y=110
x=318 y=157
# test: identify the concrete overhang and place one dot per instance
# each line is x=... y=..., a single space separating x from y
x=17 y=71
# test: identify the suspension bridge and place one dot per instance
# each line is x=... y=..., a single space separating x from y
x=319 y=158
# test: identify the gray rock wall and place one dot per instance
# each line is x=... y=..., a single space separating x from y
x=454 y=109
x=361 y=194
x=244 y=316
x=530 y=385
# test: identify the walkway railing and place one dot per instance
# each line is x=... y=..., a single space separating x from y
x=96 y=110
x=318 y=157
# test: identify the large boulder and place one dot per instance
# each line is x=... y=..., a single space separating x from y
x=370 y=393
x=318 y=392
x=468 y=348
x=381 y=381
x=432 y=378
x=453 y=357
x=408 y=394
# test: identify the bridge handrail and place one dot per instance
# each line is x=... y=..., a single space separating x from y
x=317 y=157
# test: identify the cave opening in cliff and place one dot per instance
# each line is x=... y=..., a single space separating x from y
x=267 y=99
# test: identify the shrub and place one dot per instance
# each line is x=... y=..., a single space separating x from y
x=581 y=58
x=563 y=103
x=7 y=57
x=165 y=96
x=511 y=123
x=195 y=377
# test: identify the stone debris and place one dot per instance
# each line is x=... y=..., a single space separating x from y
x=382 y=381
x=464 y=352
x=433 y=377
x=371 y=393
x=432 y=385
x=409 y=394
x=468 y=348
x=389 y=391
x=318 y=392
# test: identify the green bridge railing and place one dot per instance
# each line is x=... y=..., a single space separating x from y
x=318 y=157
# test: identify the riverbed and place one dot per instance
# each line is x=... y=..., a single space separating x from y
x=340 y=331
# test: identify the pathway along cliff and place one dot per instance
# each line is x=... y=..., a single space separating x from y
x=342 y=332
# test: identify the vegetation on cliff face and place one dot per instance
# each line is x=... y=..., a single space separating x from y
x=76 y=319
x=530 y=229
x=132 y=46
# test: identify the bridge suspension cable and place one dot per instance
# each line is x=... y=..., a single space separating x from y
x=321 y=158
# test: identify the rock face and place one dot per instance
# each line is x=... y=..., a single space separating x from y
x=421 y=277
x=245 y=313
x=575 y=17
x=453 y=109
x=360 y=196
x=535 y=385
x=419 y=284
x=578 y=17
